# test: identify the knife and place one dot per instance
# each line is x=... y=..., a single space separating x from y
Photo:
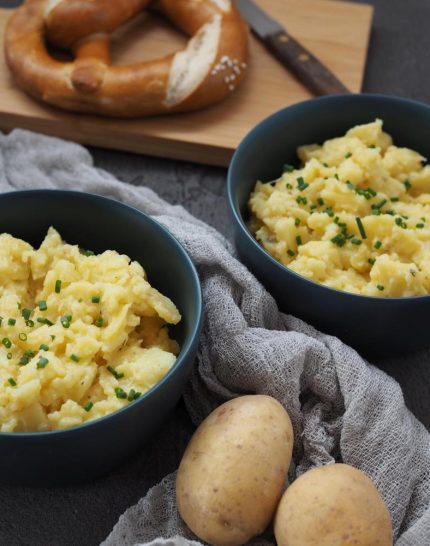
x=305 y=66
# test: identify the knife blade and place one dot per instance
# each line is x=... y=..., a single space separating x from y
x=301 y=62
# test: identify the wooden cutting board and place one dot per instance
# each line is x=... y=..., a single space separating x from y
x=337 y=32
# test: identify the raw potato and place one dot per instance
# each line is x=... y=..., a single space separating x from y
x=333 y=505
x=233 y=471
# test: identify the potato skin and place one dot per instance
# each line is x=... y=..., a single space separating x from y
x=333 y=505
x=233 y=471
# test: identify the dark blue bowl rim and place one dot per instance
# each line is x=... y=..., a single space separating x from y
x=188 y=346
x=238 y=216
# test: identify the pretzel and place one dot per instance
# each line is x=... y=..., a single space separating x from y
x=206 y=71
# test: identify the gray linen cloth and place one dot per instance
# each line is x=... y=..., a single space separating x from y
x=342 y=407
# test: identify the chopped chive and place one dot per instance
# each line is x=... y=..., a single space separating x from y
x=7 y=342
x=377 y=244
x=349 y=154
x=361 y=228
x=380 y=287
x=371 y=261
x=394 y=199
x=9 y=356
x=43 y=320
x=339 y=239
x=120 y=393
x=400 y=222
x=367 y=193
x=302 y=184
x=413 y=272
x=296 y=221
x=95 y=299
x=66 y=320
x=419 y=226
x=390 y=212
x=29 y=323
x=99 y=322
x=58 y=284
x=1 y=320
x=11 y=322
x=52 y=337
x=320 y=201
x=18 y=305
x=379 y=205
x=372 y=146
x=376 y=212
x=289 y=186
x=288 y=168
x=313 y=206
x=75 y=358
x=42 y=363
x=29 y=353
x=42 y=305
x=329 y=211
x=22 y=336
x=407 y=184
x=24 y=360
x=299 y=240
x=336 y=176
x=326 y=165
x=88 y=406
x=26 y=313
x=43 y=347
x=423 y=219
x=131 y=395
x=12 y=381
x=336 y=219
x=137 y=395
x=356 y=241
x=89 y=253
x=301 y=199
x=290 y=252
x=115 y=373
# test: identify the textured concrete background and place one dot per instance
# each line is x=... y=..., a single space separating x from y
x=83 y=515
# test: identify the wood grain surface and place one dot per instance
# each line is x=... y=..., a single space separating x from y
x=337 y=32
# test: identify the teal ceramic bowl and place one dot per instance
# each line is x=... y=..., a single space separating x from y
x=375 y=326
x=98 y=223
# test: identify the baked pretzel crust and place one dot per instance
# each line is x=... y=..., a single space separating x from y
x=206 y=71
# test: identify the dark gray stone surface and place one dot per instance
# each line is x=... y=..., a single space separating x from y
x=84 y=514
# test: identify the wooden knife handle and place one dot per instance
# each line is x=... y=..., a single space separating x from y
x=307 y=68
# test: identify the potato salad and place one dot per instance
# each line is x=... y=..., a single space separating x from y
x=81 y=335
x=355 y=216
